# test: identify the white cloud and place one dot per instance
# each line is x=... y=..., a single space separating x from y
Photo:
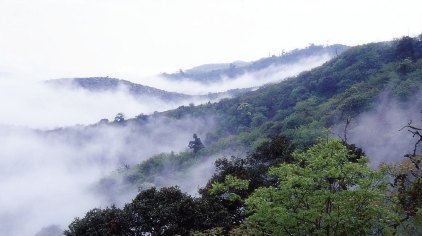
x=377 y=131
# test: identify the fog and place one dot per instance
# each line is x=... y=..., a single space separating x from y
x=49 y=178
x=39 y=105
x=36 y=104
x=271 y=74
x=196 y=176
x=377 y=131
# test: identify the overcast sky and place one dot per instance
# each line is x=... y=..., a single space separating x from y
x=46 y=39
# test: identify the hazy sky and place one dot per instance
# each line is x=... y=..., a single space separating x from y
x=45 y=39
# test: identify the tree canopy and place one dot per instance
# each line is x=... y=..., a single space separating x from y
x=323 y=193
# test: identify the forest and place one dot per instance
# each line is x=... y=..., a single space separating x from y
x=297 y=175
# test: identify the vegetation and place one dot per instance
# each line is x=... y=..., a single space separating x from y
x=293 y=181
x=323 y=193
x=407 y=191
x=325 y=190
x=196 y=145
x=301 y=107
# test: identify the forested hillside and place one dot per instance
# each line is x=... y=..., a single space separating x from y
x=301 y=106
x=297 y=179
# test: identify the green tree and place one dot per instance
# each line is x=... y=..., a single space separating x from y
x=228 y=187
x=323 y=193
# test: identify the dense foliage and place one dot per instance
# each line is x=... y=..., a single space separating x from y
x=169 y=211
x=290 y=184
x=325 y=190
x=301 y=107
x=323 y=193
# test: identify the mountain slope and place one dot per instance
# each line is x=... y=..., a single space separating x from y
x=299 y=108
x=342 y=87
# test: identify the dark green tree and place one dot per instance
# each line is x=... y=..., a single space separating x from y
x=109 y=221
x=196 y=144
x=405 y=48
x=167 y=211
x=119 y=118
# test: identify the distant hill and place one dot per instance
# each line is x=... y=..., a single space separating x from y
x=210 y=73
x=217 y=66
x=99 y=84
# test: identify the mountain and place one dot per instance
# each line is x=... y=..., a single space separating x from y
x=211 y=73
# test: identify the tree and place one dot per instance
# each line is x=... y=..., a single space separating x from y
x=109 y=221
x=407 y=186
x=322 y=193
x=167 y=211
x=119 y=118
x=196 y=144
x=405 y=48
x=228 y=187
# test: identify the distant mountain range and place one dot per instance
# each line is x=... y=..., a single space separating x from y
x=210 y=73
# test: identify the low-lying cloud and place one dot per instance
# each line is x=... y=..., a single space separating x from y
x=39 y=105
x=48 y=178
x=377 y=131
